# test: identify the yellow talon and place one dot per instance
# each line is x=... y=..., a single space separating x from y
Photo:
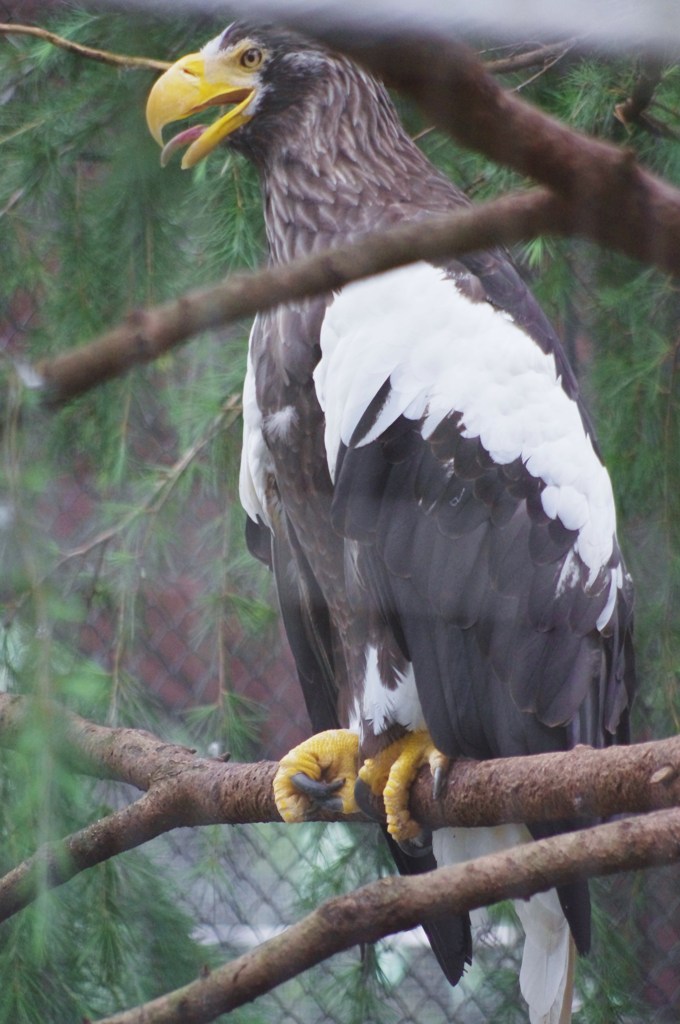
x=327 y=757
x=392 y=773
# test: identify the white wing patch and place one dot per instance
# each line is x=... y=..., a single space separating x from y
x=383 y=706
x=443 y=353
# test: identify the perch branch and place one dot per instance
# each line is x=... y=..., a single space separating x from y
x=183 y=789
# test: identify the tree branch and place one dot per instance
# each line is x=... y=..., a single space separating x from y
x=634 y=110
x=630 y=110
x=183 y=789
x=595 y=190
x=540 y=56
x=148 y=333
x=102 y=56
x=610 y=198
x=536 y=57
x=396 y=904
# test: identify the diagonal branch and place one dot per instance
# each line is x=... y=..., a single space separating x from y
x=397 y=904
x=611 y=199
x=183 y=789
x=594 y=190
x=148 y=333
x=56 y=863
x=539 y=56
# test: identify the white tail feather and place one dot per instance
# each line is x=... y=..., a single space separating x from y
x=547 y=975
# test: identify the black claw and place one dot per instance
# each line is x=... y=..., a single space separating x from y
x=321 y=795
x=421 y=846
x=367 y=802
x=321 y=792
x=331 y=806
x=438 y=780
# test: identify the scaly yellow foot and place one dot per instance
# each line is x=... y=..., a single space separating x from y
x=321 y=771
x=392 y=773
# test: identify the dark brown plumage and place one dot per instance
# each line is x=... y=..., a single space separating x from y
x=430 y=497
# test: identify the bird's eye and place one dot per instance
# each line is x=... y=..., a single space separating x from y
x=251 y=58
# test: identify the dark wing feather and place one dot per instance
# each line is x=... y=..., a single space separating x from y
x=307 y=624
x=450 y=937
x=487 y=582
x=259 y=541
x=468 y=563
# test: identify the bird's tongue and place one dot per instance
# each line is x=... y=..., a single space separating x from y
x=184 y=138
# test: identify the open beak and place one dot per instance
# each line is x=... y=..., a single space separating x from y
x=185 y=89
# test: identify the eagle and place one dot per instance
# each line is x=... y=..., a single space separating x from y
x=420 y=473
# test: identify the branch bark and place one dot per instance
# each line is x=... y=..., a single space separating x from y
x=611 y=199
x=148 y=333
x=397 y=904
x=593 y=190
x=540 y=56
x=183 y=789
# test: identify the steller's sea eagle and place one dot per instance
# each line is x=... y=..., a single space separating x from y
x=420 y=473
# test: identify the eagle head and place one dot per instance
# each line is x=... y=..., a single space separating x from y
x=247 y=70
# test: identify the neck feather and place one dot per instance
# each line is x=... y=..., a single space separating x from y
x=341 y=165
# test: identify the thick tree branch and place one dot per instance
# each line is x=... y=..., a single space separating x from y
x=147 y=334
x=102 y=56
x=610 y=198
x=183 y=789
x=597 y=191
x=397 y=904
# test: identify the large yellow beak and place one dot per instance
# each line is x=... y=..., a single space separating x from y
x=185 y=89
